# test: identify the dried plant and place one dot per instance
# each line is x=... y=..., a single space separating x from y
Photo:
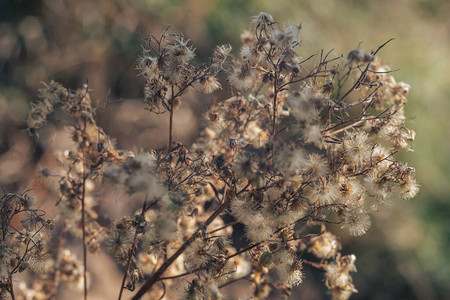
x=305 y=145
x=22 y=248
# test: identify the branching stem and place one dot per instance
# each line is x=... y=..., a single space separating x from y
x=130 y=258
x=154 y=278
x=131 y=253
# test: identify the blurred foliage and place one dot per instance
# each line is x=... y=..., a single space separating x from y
x=404 y=256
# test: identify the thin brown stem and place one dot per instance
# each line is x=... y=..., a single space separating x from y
x=346 y=127
x=164 y=290
x=245 y=250
x=11 y=288
x=83 y=225
x=233 y=281
x=180 y=275
x=131 y=253
x=83 y=213
x=130 y=256
x=274 y=125
x=223 y=227
x=314 y=264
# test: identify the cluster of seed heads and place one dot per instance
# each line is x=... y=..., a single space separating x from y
x=304 y=146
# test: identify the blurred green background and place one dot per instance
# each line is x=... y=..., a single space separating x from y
x=405 y=255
